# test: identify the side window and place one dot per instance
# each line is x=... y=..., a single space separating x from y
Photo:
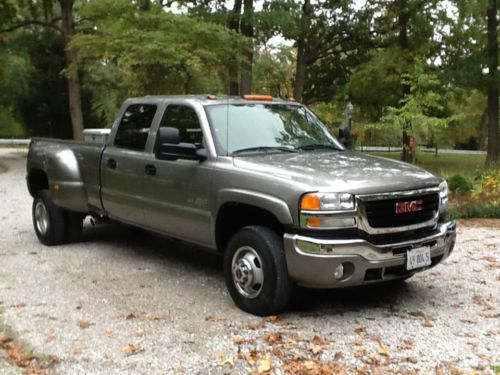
x=134 y=126
x=186 y=120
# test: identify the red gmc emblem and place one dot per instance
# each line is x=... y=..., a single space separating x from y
x=411 y=206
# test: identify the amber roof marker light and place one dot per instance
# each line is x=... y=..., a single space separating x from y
x=257 y=97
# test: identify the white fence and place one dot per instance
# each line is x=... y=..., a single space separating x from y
x=15 y=142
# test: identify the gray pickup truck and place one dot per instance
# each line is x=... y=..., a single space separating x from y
x=261 y=180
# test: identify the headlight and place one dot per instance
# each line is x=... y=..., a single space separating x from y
x=327 y=210
x=327 y=202
x=443 y=193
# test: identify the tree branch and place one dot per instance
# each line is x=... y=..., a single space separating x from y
x=31 y=23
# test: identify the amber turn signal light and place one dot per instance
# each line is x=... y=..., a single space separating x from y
x=310 y=202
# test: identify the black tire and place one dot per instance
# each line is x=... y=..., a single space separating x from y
x=265 y=248
x=74 y=226
x=49 y=220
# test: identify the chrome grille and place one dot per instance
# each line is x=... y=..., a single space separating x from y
x=382 y=213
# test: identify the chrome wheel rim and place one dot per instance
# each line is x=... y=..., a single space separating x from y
x=247 y=271
x=41 y=218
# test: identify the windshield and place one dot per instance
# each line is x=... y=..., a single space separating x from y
x=267 y=127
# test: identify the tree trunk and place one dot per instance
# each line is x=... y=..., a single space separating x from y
x=403 y=17
x=75 y=103
x=234 y=25
x=492 y=85
x=300 y=69
x=247 y=62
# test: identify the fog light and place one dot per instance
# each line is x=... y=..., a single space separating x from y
x=339 y=272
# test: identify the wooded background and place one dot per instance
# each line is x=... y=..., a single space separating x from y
x=429 y=68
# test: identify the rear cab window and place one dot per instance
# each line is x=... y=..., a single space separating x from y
x=133 y=130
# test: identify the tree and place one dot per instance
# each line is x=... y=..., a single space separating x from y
x=247 y=30
x=42 y=15
x=471 y=49
x=74 y=91
x=154 y=51
x=493 y=155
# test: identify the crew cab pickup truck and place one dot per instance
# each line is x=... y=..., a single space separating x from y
x=259 y=179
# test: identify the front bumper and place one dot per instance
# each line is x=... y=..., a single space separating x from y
x=311 y=261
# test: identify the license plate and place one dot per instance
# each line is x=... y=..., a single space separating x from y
x=417 y=258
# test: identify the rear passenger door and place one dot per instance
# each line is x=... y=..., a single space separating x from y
x=122 y=166
x=176 y=195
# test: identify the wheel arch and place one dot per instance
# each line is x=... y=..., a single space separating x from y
x=241 y=208
x=37 y=180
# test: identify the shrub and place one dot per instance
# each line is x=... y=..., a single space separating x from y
x=459 y=184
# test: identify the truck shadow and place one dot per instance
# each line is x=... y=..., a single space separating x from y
x=154 y=248
x=199 y=262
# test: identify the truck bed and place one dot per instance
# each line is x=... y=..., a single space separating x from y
x=73 y=170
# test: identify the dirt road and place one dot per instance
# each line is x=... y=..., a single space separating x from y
x=126 y=301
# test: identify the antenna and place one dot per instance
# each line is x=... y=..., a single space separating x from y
x=227 y=116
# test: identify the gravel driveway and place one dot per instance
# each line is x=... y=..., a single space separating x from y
x=124 y=300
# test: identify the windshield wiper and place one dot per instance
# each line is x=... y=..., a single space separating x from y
x=264 y=149
x=319 y=146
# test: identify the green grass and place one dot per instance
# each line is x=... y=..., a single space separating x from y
x=444 y=164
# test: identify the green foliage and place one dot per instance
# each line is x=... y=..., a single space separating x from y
x=459 y=184
x=153 y=52
x=273 y=71
x=445 y=164
x=376 y=84
x=9 y=127
x=470 y=210
x=482 y=199
x=423 y=109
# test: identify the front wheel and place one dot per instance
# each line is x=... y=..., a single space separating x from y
x=255 y=271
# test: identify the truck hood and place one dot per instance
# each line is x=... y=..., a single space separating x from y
x=340 y=171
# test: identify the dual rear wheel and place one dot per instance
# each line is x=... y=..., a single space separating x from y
x=53 y=224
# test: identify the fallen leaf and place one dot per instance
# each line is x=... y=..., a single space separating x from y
x=360 y=329
x=83 y=324
x=317 y=344
x=16 y=355
x=359 y=352
x=358 y=342
x=264 y=364
x=228 y=361
x=273 y=318
x=211 y=318
x=373 y=359
x=427 y=323
x=238 y=340
x=4 y=340
x=131 y=349
x=178 y=368
x=257 y=325
x=382 y=349
x=252 y=356
x=439 y=370
x=407 y=344
x=273 y=337
x=151 y=318
x=478 y=300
